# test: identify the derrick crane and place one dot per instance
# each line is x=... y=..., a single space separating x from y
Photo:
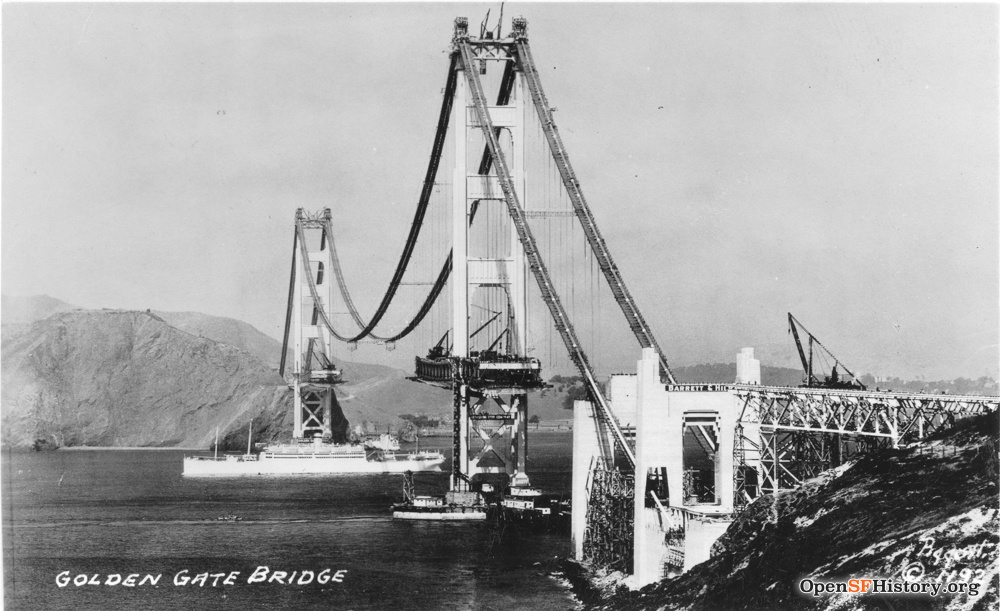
x=811 y=380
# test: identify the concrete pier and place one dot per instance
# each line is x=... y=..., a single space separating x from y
x=665 y=502
x=586 y=449
x=698 y=446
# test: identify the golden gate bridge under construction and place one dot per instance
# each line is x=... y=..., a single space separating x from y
x=660 y=466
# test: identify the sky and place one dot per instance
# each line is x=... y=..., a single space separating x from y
x=742 y=160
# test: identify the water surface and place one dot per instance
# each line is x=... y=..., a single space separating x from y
x=130 y=512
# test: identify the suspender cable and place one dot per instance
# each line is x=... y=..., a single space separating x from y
x=583 y=213
x=561 y=320
x=428 y=303
x=503 y=98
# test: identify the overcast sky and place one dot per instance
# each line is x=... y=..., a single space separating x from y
x=836 y=161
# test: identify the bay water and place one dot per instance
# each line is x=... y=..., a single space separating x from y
x=100 y=516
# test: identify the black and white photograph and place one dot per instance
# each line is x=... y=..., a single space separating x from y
x=519 y=305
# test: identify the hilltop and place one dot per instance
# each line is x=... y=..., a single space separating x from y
x=228 y=331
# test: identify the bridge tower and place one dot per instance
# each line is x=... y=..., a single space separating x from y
x=307 y=322
x=491 y=386
x=491 y=383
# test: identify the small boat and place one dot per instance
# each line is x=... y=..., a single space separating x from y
x=229 y=517
x=533 y=508
x=419 y=455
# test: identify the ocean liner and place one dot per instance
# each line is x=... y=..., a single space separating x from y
x=317 y=457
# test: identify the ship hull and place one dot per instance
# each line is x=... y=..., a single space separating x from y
x=451 y=514
x=303 y=463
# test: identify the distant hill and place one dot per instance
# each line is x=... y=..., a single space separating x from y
x=725 y=373
x=126 y=378
x=722 y=373
x=372 y=395
x=375 y=395
x=24 y=310
x=123 y=378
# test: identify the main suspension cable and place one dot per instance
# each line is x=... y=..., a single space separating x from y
x=485 y=166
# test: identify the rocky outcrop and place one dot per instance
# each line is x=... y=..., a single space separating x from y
x=125 y=378
x=229 y=331
x=924 y=513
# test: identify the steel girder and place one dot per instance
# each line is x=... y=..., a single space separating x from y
x=897 y=416
x=804 y=431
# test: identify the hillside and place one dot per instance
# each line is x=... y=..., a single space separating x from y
x=121 y=378
x=229 y=331
x=921 y=512
x=372 y=394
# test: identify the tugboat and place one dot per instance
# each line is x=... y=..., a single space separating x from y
x=532 y=508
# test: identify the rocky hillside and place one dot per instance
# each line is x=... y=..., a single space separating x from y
x=229 y=331
x=122 y=378
x=372 y=395
x=125 y=378
x=921 y=513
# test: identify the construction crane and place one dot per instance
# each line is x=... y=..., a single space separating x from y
x=817 y=352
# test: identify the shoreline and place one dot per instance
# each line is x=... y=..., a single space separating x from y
x=152 y=449
x=590 y=588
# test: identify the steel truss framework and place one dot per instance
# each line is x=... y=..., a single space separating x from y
x=483 y=420
x=804 y=431
x=608 y=539
x=316 y=412
x=497 y=420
